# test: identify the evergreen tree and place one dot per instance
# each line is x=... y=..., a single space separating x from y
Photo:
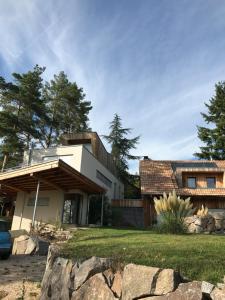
x=21 y=111
x=214 y=136
x=66 y=107
x=34 y=114
x=121 y=146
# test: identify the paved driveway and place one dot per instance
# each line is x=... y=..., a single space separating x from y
x=21 y=275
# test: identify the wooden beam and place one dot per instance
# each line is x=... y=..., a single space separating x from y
x=41 y=179
x=13 y=188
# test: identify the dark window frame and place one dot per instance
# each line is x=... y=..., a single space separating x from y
x=103 y=179
x=211 y=177
x=192 y=177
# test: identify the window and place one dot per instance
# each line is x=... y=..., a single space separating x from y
x=42 y=201
x=211 y=182
x=191 y=182
x=103 y=179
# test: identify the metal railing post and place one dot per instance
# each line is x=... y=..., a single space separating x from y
x=35 y=203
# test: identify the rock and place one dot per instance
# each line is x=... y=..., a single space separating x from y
x=57 y=283
x=20 y=244
x=89 y=268
x=167 y=282
x=217 y=294
x=221 y=285
x=192 y=228
x=138 y=281
x=117 y=284
x=94 y=288
x=207 y=287
x=3 y=294
x=198 y=229
x=109 y=276
x=186 y=291
x=31 y=246
x=42 y=247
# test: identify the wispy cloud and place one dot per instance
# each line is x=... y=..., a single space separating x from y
x=153 y=62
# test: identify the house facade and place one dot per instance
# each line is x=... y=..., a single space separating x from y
x=63 y=184
x=203 y=181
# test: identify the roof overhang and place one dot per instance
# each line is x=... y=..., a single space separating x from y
x=54 y=175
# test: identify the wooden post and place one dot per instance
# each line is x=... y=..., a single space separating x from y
x=88 y=203
x=35 y=203
x=102 y=210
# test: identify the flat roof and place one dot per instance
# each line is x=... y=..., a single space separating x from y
x=53 y=175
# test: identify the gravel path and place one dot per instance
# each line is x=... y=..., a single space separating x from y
x=21 y=275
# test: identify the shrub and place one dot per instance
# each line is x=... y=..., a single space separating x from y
x=172 y=210
x=203 y=211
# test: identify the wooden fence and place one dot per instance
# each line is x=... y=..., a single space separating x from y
x=127 y=203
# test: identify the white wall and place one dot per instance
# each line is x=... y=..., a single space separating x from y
x=70 y=154
x=47 y=214
x=81 y=159
x=89 y=167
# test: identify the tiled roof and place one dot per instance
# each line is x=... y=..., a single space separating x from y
x=158 y=176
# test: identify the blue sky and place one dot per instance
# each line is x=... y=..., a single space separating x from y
x=153 y=62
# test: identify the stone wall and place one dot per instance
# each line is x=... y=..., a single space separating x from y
x=214 y=222
x=101 y=279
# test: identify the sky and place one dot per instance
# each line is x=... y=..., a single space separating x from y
x=153 y=62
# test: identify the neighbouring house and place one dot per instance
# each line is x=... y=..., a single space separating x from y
x=203 y=181
x=65 y=184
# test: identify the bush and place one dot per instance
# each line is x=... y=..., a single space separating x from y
x=172 y=210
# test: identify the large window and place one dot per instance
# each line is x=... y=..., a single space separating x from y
x=191 y=182
x=211 y=182
x=42 y=201
x=103 y=178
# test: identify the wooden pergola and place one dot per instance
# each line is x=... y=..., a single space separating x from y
x=53 y=175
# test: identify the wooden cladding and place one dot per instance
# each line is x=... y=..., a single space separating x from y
x=127 y=203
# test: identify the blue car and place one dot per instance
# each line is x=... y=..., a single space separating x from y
x=5 y=240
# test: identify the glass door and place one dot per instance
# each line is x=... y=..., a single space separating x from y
x=71 y=209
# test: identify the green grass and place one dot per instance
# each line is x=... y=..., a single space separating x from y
x=198 y=257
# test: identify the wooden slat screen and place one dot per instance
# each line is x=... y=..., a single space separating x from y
x=127 y=203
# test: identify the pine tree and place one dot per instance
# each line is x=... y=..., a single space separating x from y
x=214 y=136
x=21 y=110
x=66 y=107
x=121 y=146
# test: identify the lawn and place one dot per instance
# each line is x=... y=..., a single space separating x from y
x=199 y=257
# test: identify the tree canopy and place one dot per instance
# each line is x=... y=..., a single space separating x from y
x=213 y=136
x=121 y=146
x=35 y=113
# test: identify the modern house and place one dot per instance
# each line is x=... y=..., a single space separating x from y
x=62 y=184
x=203 y=181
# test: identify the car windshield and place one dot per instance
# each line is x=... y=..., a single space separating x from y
x=3 y=226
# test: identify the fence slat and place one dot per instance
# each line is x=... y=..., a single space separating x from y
x=127 y=203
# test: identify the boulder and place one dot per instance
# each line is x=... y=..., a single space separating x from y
x=88 y=268
x=185 y=291
x=117 y=284
x=217 y=294
x=56 y=283
x=167 y=282
x=109 y=276
x=138 y=281
x=207 y=288
x=95 y=288
x=31 y=246
x=20 y=244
